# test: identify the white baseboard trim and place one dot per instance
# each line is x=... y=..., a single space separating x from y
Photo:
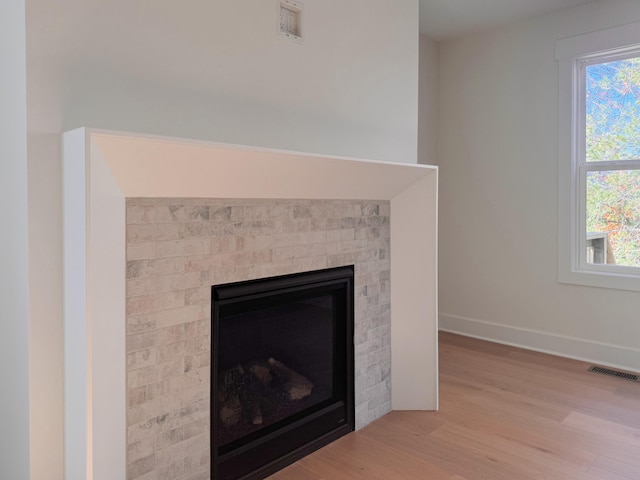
x=577 y=348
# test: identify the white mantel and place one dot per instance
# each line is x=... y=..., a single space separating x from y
x=102 y=169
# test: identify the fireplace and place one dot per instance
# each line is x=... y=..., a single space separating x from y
x=191 y=223
x=282 y=370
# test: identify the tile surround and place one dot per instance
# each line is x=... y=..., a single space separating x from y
x=177 y=249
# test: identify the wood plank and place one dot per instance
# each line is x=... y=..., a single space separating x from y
x=505 y=414
x=598 y=426
x=628 y=469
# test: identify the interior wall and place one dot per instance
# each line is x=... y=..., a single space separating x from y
x=498 y=153
x=14 y=341
x=221 y=71
x=428 y=101
x=209 y=70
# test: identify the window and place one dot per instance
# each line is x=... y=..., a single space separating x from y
x=599 y=218
x=609 y=157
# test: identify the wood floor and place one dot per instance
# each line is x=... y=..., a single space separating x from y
x=505 y=414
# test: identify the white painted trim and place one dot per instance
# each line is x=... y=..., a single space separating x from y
x=599 y=41
x=94 y=348
x=206 y=169
x=414 y=295
x=106 y=259
x=102 y=168
x=561 y=345
x=566 y=200
x=77 y=455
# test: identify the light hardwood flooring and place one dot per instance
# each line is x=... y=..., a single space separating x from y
x=505 y=414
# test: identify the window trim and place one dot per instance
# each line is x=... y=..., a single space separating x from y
x=574 y=54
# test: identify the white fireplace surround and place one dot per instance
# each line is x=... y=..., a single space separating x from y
x=102 y=169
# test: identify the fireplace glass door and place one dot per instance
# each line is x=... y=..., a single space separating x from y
x=282 y=369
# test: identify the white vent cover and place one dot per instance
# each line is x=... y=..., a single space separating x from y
x=290 y=19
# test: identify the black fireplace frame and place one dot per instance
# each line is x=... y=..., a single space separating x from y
x=280 y=447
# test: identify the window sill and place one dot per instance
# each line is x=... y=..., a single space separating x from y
x=601 y=279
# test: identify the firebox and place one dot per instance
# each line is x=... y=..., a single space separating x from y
x=282 y=370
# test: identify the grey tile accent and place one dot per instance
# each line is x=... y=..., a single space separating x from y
x=177 y=249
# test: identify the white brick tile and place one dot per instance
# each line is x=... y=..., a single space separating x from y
x=179 y=248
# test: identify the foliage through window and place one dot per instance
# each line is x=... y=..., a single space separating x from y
x=609 y=159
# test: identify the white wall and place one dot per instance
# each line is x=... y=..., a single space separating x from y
x=14 y=341
x=428 y=102
x=219 y=70
x=211 y=70
x=498 y=152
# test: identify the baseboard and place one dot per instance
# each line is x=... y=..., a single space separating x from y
x=577 y=348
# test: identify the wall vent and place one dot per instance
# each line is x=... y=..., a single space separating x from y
x=615 y=373
x=290 y=19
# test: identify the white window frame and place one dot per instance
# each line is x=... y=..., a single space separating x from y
x=574 y=54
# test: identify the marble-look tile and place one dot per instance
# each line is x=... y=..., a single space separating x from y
x=177 y=249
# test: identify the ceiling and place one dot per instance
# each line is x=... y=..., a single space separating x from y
x=446 y=19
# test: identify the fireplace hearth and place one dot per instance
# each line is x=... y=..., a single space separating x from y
x=282 y=371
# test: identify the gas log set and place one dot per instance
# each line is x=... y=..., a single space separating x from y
x=258 y=393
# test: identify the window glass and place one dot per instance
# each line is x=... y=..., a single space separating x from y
x=613 y=217
x=613 y=110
